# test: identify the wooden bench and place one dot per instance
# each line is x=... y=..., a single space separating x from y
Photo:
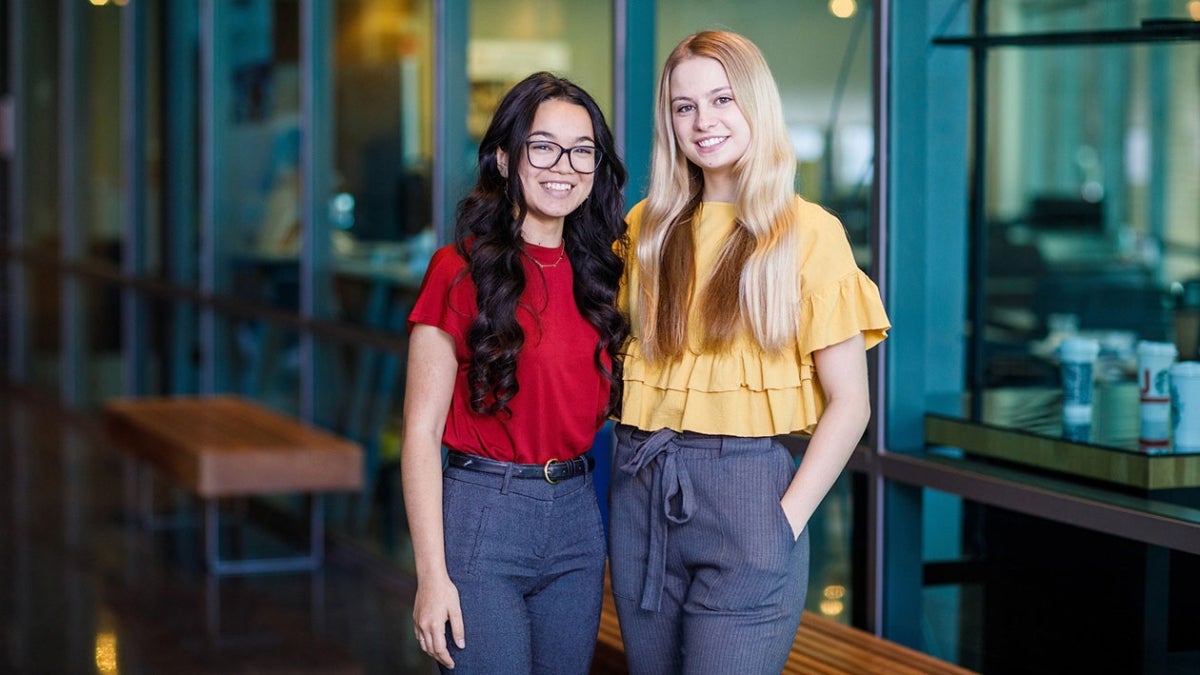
x=822 y=646
x=226 y=446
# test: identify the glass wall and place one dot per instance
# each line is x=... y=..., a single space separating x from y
x=256 y=206
x=7 y=152
x=513 y=38
x=41 y=182
x=173 y=189
x=1091 y=217
x=381 y=235
x=97 y=176
x=99 y=92
x=1037 y=158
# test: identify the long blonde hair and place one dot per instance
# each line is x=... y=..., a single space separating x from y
x=756 y=275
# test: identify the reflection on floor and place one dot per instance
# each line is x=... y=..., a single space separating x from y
x=84 y=589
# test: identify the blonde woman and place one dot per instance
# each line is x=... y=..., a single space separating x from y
x=749 y=320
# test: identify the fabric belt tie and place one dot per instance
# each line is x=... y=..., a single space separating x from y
x=551 y=472
x=672 y=481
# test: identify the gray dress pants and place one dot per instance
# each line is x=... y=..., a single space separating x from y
x=527 y=557
x=706 y=574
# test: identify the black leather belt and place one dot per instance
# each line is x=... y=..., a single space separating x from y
x=551 y=472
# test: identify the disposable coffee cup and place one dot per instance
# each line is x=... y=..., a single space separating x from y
x=1154 y=364
x=1185 y=406
x=1078 y=358
x=1077 y=422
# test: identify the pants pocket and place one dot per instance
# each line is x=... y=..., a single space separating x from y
x=754 y=565
x=464 y=517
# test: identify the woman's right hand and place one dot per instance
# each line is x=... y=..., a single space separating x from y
x=435 y=604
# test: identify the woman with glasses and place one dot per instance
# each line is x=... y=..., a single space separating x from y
x=750 y=320
x=513 y=367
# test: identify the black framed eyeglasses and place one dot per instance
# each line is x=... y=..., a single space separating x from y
x=545 y=154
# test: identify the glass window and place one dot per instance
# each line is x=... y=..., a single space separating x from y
x=101 y=151
x=1093 y=153
x=514 y=38
x=381 y=210
x=43 y=289
x=381 y=229
x=152 y=67
x=173 y=143
x=43 y=300
x=42 y=73
x=257 y=228
x=259 y=224
x=99 y=321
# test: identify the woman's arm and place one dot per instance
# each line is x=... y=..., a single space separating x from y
x=842 y=370
x=431 y=372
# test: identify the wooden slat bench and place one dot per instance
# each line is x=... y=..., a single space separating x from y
x=822 y=646
x=226 y=446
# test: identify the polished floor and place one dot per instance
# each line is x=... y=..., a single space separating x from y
x=85 y=589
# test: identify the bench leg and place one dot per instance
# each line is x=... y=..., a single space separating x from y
x=212 y=605
x=221 y=567
x=143 y=478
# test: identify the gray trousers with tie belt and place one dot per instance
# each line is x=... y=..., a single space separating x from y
x=706 y=574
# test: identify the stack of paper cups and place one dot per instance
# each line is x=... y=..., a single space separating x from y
x=1078 y=358
x=1185 y=405
x=1154 y=364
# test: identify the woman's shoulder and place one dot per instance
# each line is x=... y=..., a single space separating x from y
x=635 y=212
x=445 y=266
x=810 y=214
x=824 y=245
x=818 y=226
x=447 y=256
x=633 y=219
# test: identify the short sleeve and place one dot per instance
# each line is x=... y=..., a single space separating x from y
x=446 y=299
x=837 y=300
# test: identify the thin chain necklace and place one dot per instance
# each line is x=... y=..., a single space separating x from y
x=562 y=253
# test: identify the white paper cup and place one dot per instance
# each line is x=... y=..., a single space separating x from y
x=1154 y=364
x=1185 y=406
x=1078 y=358
x=1077 y=422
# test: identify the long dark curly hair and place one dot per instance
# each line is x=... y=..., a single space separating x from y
x=488 y=236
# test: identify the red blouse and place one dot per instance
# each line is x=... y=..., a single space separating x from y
x=562 y=396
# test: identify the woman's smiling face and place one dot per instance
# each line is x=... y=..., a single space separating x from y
x=709 y=126
x=552 y=194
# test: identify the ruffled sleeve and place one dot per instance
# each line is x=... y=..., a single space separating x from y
x=837 y=300
x=836 y=312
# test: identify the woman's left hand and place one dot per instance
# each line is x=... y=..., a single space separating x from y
x=794 y=520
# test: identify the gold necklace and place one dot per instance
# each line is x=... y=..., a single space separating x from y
x=562 y=253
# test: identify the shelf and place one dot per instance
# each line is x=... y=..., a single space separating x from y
x=1144 y=518
x=1147 y=472
x=1170 y=31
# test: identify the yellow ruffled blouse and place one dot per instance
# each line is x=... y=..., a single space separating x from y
x=743 y=391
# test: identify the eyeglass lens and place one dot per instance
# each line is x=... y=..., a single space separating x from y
x=545 y=154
